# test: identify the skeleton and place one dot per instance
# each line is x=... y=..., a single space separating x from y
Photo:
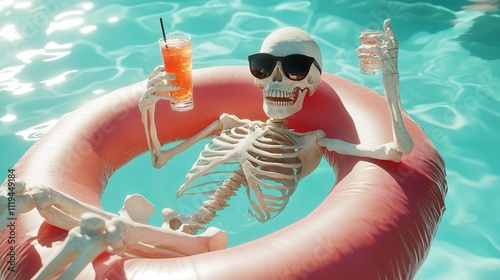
x=265 y=158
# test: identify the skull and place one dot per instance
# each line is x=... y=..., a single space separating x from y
x=284 y=97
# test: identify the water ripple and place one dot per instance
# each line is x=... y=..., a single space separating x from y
x=36 y=132
x=56 y=58
x=449 y=261
x=450 y=118
x=8 y=82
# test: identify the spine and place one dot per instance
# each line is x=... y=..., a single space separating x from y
x=218 y=200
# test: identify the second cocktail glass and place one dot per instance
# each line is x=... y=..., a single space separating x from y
x=369 y=66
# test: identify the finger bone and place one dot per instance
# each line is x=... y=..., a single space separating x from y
x=156 y=71
x=369 y=49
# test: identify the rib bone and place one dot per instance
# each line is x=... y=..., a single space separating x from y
x=263 y=157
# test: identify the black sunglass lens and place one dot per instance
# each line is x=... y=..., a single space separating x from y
x=261 y=65
x=297 y=66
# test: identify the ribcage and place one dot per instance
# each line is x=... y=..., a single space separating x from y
x=265 y=155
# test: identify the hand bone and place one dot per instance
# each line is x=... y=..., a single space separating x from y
x=157 y=88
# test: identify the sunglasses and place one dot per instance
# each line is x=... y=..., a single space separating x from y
x=295 y=66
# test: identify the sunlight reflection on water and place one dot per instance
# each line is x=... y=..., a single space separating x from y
x=59 y=55
x=35 y=132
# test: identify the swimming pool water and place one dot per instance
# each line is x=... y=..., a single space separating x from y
x=59 y=54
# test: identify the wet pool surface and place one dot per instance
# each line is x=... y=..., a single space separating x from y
x=57 y=55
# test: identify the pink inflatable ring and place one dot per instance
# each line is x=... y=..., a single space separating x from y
x=377 y=222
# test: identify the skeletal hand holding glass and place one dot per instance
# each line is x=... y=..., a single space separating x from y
x=158 y=82
x=385 y=53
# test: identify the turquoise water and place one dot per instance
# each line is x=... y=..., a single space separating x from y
x=58 y=54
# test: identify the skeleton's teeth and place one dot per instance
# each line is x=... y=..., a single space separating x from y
x=276 y=93
x=276 y=97
x=279 y=103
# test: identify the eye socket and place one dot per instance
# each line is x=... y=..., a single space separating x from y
x=261 y=65
x=297 y=66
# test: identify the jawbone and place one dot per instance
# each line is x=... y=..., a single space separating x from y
x=280 y=104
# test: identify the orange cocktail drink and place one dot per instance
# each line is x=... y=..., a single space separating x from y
x=177 y=59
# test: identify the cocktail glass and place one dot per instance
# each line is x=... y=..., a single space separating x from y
x=177 y=58
x=369 y=66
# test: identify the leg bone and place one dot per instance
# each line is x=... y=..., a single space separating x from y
x=62 y=210
x=137 y=208
x=148 y=241
x=83 y=245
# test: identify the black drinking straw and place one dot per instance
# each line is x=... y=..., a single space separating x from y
x=163 y=31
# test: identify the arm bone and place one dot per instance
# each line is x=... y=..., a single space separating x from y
x=225 y=121
x=388 y=151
